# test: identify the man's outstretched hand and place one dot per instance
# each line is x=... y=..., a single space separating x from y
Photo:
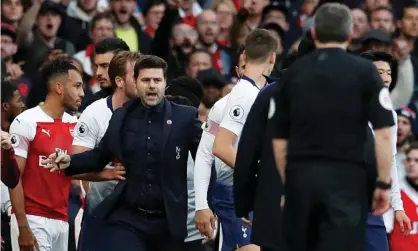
x=57 y=161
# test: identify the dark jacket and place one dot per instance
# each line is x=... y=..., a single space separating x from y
x=182 y=129
x=257 y=183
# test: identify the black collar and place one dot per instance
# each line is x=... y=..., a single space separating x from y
x=250 y=80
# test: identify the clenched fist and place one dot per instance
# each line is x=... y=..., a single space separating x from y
x=6 y=140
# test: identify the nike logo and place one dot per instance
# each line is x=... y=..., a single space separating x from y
x=46 y=132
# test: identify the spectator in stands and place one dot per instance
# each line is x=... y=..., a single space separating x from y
x=406 y=118
x=278 y=33
x=40 y=42
x=153 y=14
x=277 y=13
x=174 y=40
x=225 y=12
x=198 y=60
x=255 y=11
x=408 y=26
x=79 y=15
x=382 y=18
x=360 y=27
x=14 y=70
x=213 y=83
x=189 y=10
x=370 y=5
x=127 y=26
x=207 y=27
x=101 y=27
x=11 y=12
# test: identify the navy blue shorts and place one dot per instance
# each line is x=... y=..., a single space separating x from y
x=233 y=232
x=376 y=238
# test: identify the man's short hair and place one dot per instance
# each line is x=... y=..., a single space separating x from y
x=117 y=66
x=7 y=91
x=412 y=146
x=150 y=4
x=259 y=45
x=197 y=50
x=333 y=23
x=180 y=100
x=380 y=8
x=150 y=62
x=100 y=16
x=378 y=56
x=110 y=45
x=57 y=67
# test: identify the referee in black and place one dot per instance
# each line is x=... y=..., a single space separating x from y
x=320 y=119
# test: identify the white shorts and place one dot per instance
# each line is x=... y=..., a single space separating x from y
x=52 y=235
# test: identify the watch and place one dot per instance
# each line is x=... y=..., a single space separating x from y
x=383 y=185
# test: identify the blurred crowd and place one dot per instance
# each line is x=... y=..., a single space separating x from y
x=199 y=39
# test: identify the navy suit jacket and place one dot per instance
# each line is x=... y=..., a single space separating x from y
x=181 y=130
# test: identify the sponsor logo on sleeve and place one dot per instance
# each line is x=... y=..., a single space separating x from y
x=385 y=100
x=15 y=140
x=82 y=129
x=236 y=112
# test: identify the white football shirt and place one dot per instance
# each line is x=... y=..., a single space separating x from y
x=90 y=129
x=239 y=104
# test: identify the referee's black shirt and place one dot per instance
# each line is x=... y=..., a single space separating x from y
x=324 y=106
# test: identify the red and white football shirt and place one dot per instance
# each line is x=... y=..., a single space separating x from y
x=35 y=135
x=398 y=242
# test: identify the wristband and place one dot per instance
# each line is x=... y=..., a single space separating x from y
x=383 y=185
x=23 y=226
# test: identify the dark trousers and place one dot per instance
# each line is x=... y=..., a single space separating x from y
x=122 y=237
x=197 y=246
x=326 y=207
x=5 y=232
x=128 y=230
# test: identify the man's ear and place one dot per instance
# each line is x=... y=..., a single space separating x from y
x=119 y=82
x=58 y=87
x=272 y=58
x=5 y=106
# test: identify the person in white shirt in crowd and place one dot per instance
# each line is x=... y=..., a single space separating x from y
x=90 y=129
x=260 y=57
x=376 y=231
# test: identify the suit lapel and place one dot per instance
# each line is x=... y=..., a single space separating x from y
x=167 y=124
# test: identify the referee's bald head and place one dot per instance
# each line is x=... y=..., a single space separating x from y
x=333 y=23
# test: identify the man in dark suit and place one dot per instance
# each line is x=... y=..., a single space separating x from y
x=255 y=170
x=152 y=138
